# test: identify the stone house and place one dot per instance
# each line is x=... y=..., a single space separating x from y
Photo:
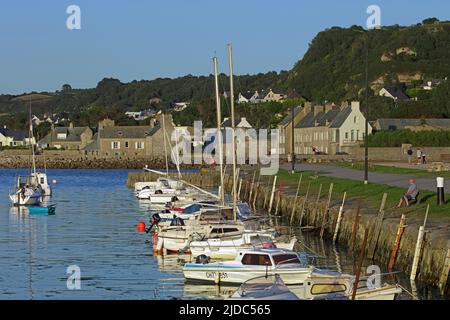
x=285 y=128
x=326 y=129
x=130 y=142
x=67 y=138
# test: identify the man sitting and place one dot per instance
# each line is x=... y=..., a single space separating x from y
x=411 y=194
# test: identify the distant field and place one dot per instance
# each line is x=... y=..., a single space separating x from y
x=34 y=97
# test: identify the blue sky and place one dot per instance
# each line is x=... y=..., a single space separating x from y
x=137 y=39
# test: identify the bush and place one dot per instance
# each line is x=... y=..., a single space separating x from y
x=420 y=138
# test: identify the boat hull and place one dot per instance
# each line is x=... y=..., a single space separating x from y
x=239 y=275
x=18 y=200
x=228 y=249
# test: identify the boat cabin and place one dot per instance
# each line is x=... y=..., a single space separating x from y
x=268 y=257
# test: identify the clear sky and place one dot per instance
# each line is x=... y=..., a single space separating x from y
x=137 y=39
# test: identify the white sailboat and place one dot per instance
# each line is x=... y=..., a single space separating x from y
x=27 y=190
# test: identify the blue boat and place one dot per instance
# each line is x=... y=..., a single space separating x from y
x=42 y=209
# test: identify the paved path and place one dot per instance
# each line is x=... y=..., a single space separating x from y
x=394 y=180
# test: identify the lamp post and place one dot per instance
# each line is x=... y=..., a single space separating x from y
x=292 y=140
x=366 y=129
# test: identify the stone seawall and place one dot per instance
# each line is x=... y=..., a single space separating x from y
x=433 y=264
x=15 y=162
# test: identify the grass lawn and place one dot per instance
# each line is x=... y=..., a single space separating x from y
x=370 y=194
x=391 y=169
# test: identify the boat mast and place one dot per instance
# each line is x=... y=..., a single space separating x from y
x=31 y=142
x=165 y=146
x=233 y=128
x=219 y=132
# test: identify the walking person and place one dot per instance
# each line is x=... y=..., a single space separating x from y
x=419 y=156
x=424 y=158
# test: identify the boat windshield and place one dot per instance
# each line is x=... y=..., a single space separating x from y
x=286 y=258
x=264 y=286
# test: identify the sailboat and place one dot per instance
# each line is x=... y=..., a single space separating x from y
x=29 y=189
x=177 y=237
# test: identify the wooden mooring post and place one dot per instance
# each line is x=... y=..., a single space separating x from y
x=377 y=227
x=272 y=194
x=327 y=208
x=360 y=263
x=356 y=225
x=296 y=197
x=398 y=238
x=302 y=211
x=339 y=219
x=443 y=280
x=266 y=193
x=419 y=244
x=251 y=188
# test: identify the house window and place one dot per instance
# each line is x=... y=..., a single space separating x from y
x=115 y=145
x=61 y=136
x=355 y=119
x=127 y=144
x=353 y=135
x=139 y=145
x=346 y=136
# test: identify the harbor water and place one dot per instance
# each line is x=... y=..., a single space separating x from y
x=94 y=230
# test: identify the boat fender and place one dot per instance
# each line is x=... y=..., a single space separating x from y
x=202 y=259
x=174 y=198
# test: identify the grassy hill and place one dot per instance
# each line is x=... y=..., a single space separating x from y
x=331 y=70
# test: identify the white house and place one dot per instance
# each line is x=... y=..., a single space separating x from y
x=248 y=97
x=272 y=96
x=180 y=106
x=393 y=92
x=15 y=138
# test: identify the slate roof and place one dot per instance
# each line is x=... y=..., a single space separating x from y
x=17 y=135
x=288 y=118
x=130 y=132
x=73 y=134
x=247 y=95
x=94 y=145
x=334 y=117
x=396 y=92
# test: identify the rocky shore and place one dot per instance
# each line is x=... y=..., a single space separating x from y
x=10 y=162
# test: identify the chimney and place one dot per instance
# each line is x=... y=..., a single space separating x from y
x=318 y=109
x=355 y=106
x=307 y=107
x=329 y=106
x=71 y=125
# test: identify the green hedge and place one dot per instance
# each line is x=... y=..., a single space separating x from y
x=419 y=139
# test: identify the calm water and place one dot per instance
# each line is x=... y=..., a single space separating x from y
x=94 y=228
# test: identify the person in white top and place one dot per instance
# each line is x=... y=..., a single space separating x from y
x=419 y=156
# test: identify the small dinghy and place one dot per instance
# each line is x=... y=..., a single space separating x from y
x=43 y=209
x=264 y=288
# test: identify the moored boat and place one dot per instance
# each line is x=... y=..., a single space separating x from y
x=250 y=264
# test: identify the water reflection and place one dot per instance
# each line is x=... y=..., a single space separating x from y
x=94 y=228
